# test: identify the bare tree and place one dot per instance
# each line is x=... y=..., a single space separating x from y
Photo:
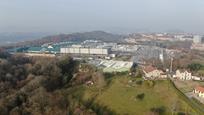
x=99 y=79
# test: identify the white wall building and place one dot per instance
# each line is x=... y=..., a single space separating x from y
x=85 y=50
x=199 y=91
x=196 y=78
x=151 y=72
x=197 y=39
x=183 y=75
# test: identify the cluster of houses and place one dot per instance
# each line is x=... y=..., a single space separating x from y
x=154 y=73
x=151 y=72
x=186 y=75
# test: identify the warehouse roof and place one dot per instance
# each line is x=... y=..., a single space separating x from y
x=112 y=65
x=44 y=49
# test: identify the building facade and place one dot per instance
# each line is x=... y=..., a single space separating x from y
x=199 y=91
x=197 y=39
x=183 y=75
x=151 y=72
x=85 y=50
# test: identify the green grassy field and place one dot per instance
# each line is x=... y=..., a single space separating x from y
x=120 y=97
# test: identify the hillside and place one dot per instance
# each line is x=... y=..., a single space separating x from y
x=142 y=98
x=94 y=35
x=60 y=86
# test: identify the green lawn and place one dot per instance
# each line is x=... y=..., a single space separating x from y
x=201 y=71
x=120 y=96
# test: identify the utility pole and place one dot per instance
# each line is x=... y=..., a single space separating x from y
x=171 y=66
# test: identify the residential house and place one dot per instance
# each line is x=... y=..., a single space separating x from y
x=152 y=72
x=183 y=75
x=199 y=91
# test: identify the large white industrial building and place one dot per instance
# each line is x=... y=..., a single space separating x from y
x=197 y=39
x=85 y=50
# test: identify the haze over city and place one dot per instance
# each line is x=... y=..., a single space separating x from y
x=116 y=16
x=101 y=57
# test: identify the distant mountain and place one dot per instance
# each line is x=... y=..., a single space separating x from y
x=94 y=35
x=11 y=38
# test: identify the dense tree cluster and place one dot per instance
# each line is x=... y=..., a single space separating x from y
x=195 y=66
x=44 y=86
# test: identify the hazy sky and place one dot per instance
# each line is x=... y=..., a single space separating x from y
x=64 y=16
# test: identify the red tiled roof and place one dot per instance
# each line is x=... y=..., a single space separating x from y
x=149 y=69
x=199 y=88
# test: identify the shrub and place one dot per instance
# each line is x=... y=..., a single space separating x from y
x=139 y=82
x=140 y=96
x=181 y=113
x=159 y=110
x=150 y=83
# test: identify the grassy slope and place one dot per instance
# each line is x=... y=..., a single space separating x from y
x=120 y=97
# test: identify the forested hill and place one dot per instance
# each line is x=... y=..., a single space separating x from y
x=45 y=86
x=94 y=35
